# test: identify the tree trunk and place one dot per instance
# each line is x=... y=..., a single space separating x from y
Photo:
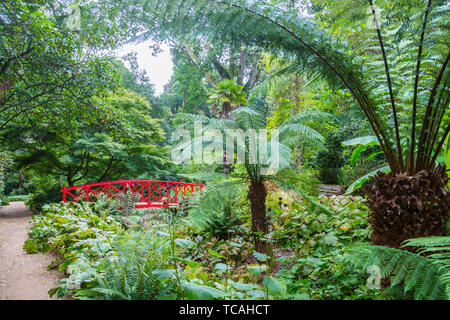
x=405 y=207
x=226 y=164
x=226 y=114
x=257 y=194
x=21 y=179
x=70 y=181
x=299 y=151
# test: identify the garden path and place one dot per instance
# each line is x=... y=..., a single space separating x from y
x=22 y=276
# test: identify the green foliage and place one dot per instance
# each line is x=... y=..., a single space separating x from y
x=217 y=215
x=48 y=70
x=363 y=144
x=65 y=121
x=23 y=198
x=228 y=92
x=298 y=130
x=5 y=164
x=103 y=261
x=132 y=271
x=45 y=195
x=321 y=241
x=106 y=206
x=72 y=225
x=420 y=276
x=437 y=249
x=125 y=142
x=219 y=223
x=187 y=83
x=330 y=162
x=304 y=179
x=30 y=247
x=4 y=202
x=357 y=184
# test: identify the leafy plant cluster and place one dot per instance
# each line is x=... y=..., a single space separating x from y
x=104 y=260
x=5 y=163
x=421 y=275
x=316 y=242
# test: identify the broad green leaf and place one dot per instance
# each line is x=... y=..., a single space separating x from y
x=216 y=254
x=193 y=291
x=184 y=243
x=357 y=154
x=302 y=296
x=243 y=286
x=260 y=256
x=221 y=267
x=163 y=274
x=374 y=154
x=256 y=294
x=190 y=263
x=359 y=183
x=276 y=287
x=330 y=240
x=169 y=297
x=234 y=244
x=256 y=269
x=361 y=141
x=162 y=234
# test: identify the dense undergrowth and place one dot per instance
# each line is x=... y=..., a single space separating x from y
x=167 y=254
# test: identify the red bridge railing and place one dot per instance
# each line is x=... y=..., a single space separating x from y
x=152 y=194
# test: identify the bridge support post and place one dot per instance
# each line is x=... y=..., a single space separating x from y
x=64 y=191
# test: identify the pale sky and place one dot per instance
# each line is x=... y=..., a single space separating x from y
x=158 y=68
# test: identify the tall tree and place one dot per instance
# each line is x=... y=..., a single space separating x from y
x=44 y=64
x=122 y=142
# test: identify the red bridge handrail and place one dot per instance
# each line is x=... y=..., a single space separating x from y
x=153 y=193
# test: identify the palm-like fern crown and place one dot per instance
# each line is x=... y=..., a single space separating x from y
x=243 y=120
x=228 y=91
x=401 y=85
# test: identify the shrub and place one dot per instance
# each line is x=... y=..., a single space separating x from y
x=329 y=162
x=320 y=241
x=44 y=197
x=30 y=247
x=132 y=270
x=220 y=222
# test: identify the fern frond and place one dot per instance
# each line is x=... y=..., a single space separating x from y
x=416 y=274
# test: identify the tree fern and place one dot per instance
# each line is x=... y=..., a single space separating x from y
x=438 y=249
x=423 y=277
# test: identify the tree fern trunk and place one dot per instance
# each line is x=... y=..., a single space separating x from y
x=405 y=207
x=257 y=194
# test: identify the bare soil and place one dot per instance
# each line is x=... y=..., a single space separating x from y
x=22 y=276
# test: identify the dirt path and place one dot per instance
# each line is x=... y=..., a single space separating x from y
x=22 y=276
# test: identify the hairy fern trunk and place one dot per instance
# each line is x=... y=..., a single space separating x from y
x=257 y=194
x=405 y=207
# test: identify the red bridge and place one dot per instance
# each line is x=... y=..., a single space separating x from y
x=152 y=194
